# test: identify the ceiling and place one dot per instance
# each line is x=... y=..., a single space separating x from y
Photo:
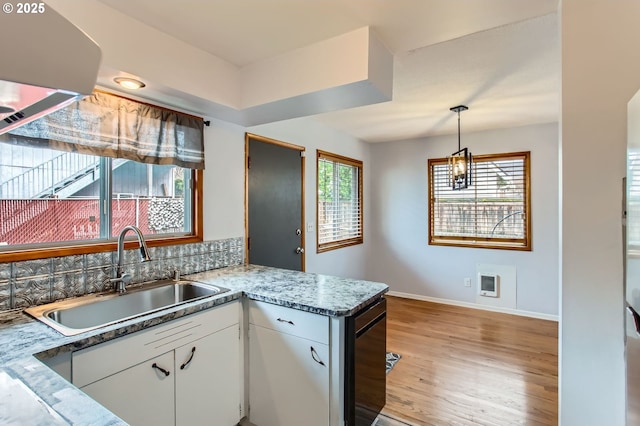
x=501 y=58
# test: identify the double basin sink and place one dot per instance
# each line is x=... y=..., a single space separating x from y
x=85 y=313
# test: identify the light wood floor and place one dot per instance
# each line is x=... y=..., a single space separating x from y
x=463 y=366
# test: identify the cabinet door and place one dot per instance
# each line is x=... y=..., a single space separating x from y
x=208 y=380
x=289 y=379
x=141 y=395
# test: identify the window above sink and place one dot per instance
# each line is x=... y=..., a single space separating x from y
x=69 y=182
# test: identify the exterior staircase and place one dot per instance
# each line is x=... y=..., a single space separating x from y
x=28 y=195
x=60 y=177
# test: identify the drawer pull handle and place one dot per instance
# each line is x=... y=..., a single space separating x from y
x=193 y=351
x=287 y=321
x=315 y=356
x=162 y=370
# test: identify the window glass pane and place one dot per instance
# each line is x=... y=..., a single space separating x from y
x=327 y=198
x=339 y=204
x=151 y=197
x=41 y=196
x=325 y=180
x=49 y=196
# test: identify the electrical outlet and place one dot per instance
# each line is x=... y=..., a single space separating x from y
x=467 y=282
x=309 y=226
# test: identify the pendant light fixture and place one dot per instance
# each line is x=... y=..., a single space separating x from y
x=460 y=162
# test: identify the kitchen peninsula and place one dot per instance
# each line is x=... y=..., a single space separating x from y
x=251 y=286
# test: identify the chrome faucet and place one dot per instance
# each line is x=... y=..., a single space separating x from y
x=122 y=279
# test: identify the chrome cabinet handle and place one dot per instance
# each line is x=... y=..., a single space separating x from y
x=160 y=369
x=315 y=356
x=193 y=351
x=299 y=250
x=284 y=320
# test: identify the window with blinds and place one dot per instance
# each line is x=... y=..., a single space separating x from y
x=494 y=212
x=633 y=203
x=339 y=202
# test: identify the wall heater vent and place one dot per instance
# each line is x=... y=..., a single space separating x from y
x=488 y=285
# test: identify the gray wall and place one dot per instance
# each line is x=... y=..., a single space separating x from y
x=399 y=253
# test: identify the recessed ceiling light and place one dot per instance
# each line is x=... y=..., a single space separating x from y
x=129 y=83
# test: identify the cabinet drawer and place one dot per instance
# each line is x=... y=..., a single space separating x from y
x=292 y=321
x=97 y=362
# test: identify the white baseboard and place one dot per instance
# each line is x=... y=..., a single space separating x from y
x=475 y=306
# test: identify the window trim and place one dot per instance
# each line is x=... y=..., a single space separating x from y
x=333 y=245
x=68 y=248
x=524 y=244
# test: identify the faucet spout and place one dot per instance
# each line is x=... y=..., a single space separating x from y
x=122 y=279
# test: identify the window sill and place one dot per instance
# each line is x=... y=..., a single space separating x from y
x=337 y=245
x=31 y=253
x=499 y=245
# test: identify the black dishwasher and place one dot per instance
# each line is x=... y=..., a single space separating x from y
x=365 y=364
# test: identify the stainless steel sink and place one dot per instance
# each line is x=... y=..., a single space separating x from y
x=75 y=316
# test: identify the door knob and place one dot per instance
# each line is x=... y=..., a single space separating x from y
x=298 y=231
x=299 y=250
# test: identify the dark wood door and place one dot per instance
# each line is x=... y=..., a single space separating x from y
x=274 y=203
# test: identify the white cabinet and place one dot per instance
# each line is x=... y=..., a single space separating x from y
x=289 y=366
x=208 y=387
x=184 y=372
x=140 y=395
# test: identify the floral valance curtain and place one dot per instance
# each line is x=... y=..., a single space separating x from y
x=111 y=126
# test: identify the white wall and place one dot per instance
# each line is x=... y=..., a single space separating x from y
x=223 y=185
x=600 y=74
x=187 y=69
x=399 y=253
x=348 y=261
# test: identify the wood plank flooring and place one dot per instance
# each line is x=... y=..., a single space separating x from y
x=463 y=366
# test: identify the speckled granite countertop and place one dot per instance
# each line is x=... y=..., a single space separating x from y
x=22 y=337
x=316 y=293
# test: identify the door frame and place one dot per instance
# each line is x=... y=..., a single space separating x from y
x=247 y=138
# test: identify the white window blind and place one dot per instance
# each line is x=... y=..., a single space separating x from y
x=493 y=212
x=339 y=209
x=633 y=200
